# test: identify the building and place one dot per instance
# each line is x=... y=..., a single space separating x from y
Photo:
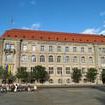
x=59 y=52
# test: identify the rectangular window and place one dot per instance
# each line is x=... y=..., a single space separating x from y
x=51 y=71
x=9 y=58
x=82 y=49
x=42 y=48
x=50 y=48
x=67 y=70
x=59 y=48
x=74 y=49
x=66 y=49
x=24 y=47
x=89 y=49
x=59 y=70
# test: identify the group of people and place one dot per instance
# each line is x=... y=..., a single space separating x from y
x=16 y=87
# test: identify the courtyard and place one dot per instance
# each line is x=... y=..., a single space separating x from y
x=55 y=96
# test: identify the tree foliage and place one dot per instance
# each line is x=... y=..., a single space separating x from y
x=76 y=75
x=22 y=74
x=40 y=74
x=103 y=76
x=91 y=74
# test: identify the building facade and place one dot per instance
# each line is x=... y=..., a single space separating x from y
x=58 y=52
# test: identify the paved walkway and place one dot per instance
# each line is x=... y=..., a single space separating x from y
x=55 y=96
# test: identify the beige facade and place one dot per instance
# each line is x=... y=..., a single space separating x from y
x=59 y=58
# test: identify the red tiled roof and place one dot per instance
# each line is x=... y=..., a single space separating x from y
x=53 y=36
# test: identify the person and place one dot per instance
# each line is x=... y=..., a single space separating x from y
x=35 y=87
x=15 y=90
x=29 y=88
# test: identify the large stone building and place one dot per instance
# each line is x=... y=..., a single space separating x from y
x=58 y=52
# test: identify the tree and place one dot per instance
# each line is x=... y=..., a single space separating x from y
x=76 y=75
x=22 y=74
x=5 y=76
x=40 y=74
x=91 y=74
x=103 y=76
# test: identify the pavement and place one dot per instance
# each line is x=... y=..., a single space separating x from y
x=55 y=96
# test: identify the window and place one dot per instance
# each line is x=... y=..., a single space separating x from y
x=74 y=49
x=7 y=46
x=89 y=49
x=66 y=59
x=90 y=59
x=24 y=47
x=103 y=60
x=58 y=58
x=24 y=58
x=51 y=81
x=59 y=80
x=51 y=70
x=50 y=58
x=59 y=48
x=67 y=70
x=59 y=70
x=50 y=48
x=103 y=50
x=33 y=58
x=82 y=49
x=68 y=80
x=33 y=47
x=42 y=48
x=83 y=70
x=9 y=58
x=83 y=59
x=66 y=49
x=75 y=59
x=42 y=58
x=12 y=46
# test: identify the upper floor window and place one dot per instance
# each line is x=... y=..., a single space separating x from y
x=89 y=49
x=90 y=59
x=82 y=49
x=67 y=70
x=75 y=59
x=42 y=48
x=58 y=58
x=59 y=48
x=50 y=58
x=24 y=58
x=9 y=57
x=33 y=58
x=74 y=49
x=59 y=70
x=83 y=59
x=66 y=59
x=66 y=49
x=51 y=70
x=102 y=60
x=103 y=50
x=50 y=48
x=7 y=46
x=42 y=58
x=33 y=47
x=24 y=47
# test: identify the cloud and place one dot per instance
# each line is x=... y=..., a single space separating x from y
x=90 y=31
x=102 y=13
x=33 y=27
x=94 y=31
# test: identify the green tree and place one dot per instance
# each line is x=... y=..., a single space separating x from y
x=91 y=74
x=40 y=74
x=103 y=76
x=76 y=75
x=5 y=76
x=22 y=74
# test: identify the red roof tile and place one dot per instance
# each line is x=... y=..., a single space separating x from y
x=53 y=36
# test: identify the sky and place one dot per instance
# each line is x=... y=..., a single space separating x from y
x=73 y=16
